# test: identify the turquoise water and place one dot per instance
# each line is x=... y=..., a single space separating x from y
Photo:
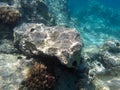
x=96 y=20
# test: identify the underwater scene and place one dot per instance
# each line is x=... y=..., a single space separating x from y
x=59 y=44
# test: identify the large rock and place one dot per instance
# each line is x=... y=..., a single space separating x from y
x=38 y=39
x=104 y=65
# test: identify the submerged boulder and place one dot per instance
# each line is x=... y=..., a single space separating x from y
x=38 y=39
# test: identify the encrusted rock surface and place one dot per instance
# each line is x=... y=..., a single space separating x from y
x=13 y=70
x=104 y=65
x=103 y=57
x=7 y=46
x=111 y=78
x=110 y=54
x=99 y=85
x=19 y=73
x=9 y=18
x=38 y=39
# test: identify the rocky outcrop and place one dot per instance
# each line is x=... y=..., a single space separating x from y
x=110 y=54
x=103 y=58
x=7 y=46
x=38 y=39
x=99 y=85
x=104 y=65
x=111 y=78
x=13 y=70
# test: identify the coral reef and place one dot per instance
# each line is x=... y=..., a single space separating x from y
x=39 y=78
x=53 y=58
x=9 y=18
x=9 y=15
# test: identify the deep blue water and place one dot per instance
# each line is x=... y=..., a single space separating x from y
x=111 y=3
x=76 y=5
x=96 y=20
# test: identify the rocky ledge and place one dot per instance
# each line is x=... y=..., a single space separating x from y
x=104 y=65
x=38 y=39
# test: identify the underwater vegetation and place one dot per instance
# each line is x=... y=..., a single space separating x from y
x=9 y=15
x=39 y=78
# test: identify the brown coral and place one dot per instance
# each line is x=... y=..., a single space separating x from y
x=9 y=15
x=39 y=78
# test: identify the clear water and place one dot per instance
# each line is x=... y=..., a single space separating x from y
x=96 y=20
